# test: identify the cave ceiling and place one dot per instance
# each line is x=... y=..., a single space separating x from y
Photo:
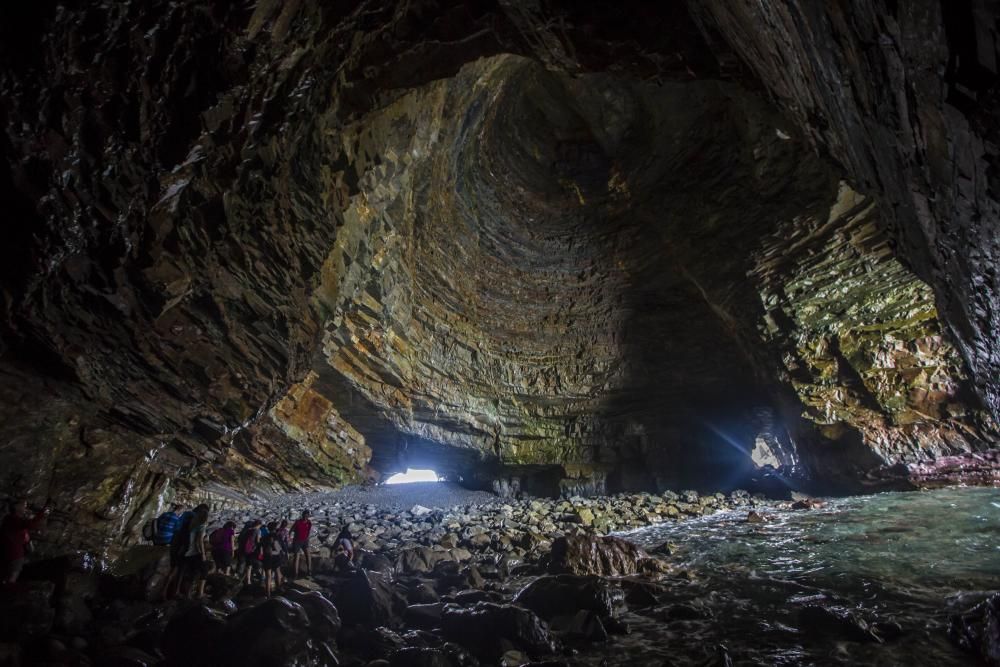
x=256 y=247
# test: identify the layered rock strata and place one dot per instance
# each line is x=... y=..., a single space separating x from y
x=254 y=243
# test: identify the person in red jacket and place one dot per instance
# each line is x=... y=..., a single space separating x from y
x=14 y=537
x=300 y=542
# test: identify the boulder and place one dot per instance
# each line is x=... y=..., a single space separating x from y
x=324 y=620
x=274 y=633
x=422 y=593
x=488 y=629
x=836 y=623
x=126 y=656
x=584 y=625
x=419 y=657
x=420 y=560
x=558 y=595
x=423 y=615
x=366 y=598
x=192 y=637
x=604 y=556
x=372 y=561
x=977 y=631
x=370 y=643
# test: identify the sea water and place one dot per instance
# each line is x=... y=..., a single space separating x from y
x=908 y=560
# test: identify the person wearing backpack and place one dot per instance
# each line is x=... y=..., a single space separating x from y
x=248 y=548
x=222 y=543
x=196 y=562
x=178 y=545
x=270 y=547
x=284 y=537
x=164 y=526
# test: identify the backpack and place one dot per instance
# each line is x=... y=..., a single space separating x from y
x=149 y=530
x=247 y=545
x=217 y=539
x=182 y=537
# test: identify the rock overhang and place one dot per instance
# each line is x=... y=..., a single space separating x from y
x=172 y=291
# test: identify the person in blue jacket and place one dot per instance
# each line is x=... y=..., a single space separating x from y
x=166 y=525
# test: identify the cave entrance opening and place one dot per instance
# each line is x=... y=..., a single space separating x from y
x=413 y=475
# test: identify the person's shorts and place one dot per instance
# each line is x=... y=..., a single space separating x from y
x=12 y=569
x=223 y=558
x=298 y=546
x=176 y=559
x=272 y=562
x=196 y=565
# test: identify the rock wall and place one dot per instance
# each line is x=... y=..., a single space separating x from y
x=256 y=247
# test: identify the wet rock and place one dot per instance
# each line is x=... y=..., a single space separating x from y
x=605 y=556
x=837 y=623
x=374 y=562
x=808 y=504
x=420 y=560
x=324 y=620
x=419 y=657
x=488 y=629
x=977 y=631
x=557 y=595
x=583 y=625
x=682 y=612
x=370 y=643
x=640 y=592
x=422 y=593
x=366 y=598
x=272 y=633
x=192 y=637
x=423 y=615
x=126 y=656
x=26 y=610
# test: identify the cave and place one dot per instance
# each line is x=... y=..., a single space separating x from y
x=546 y=251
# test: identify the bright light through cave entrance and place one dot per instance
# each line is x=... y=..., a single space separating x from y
x=413 y=475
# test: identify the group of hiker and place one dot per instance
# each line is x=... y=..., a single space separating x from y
x=258 y=550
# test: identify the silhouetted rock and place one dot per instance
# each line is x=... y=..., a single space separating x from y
x=977 y=631
x=193 y=637
x=557 y=595
x=366 y=598
x=420 y=657
x=487 y=629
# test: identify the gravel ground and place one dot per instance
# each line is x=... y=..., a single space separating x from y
x=394 y=496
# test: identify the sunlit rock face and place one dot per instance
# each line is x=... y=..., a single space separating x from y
x=294 y=245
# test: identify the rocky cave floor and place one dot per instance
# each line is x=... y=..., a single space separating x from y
x=466 y=579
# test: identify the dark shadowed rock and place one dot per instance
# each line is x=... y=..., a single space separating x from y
x=192 y=637
x=419 y=657
x=423 y=615
x=977 y=631
x=422 y=593
x=557 y=595
x=271 y=634
x=604 y=556
x=488 y=628
x=370 y=643
x=837 y=623
x=324 y=620
x=366 y=598
x=583 y=625
x=420 y=560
